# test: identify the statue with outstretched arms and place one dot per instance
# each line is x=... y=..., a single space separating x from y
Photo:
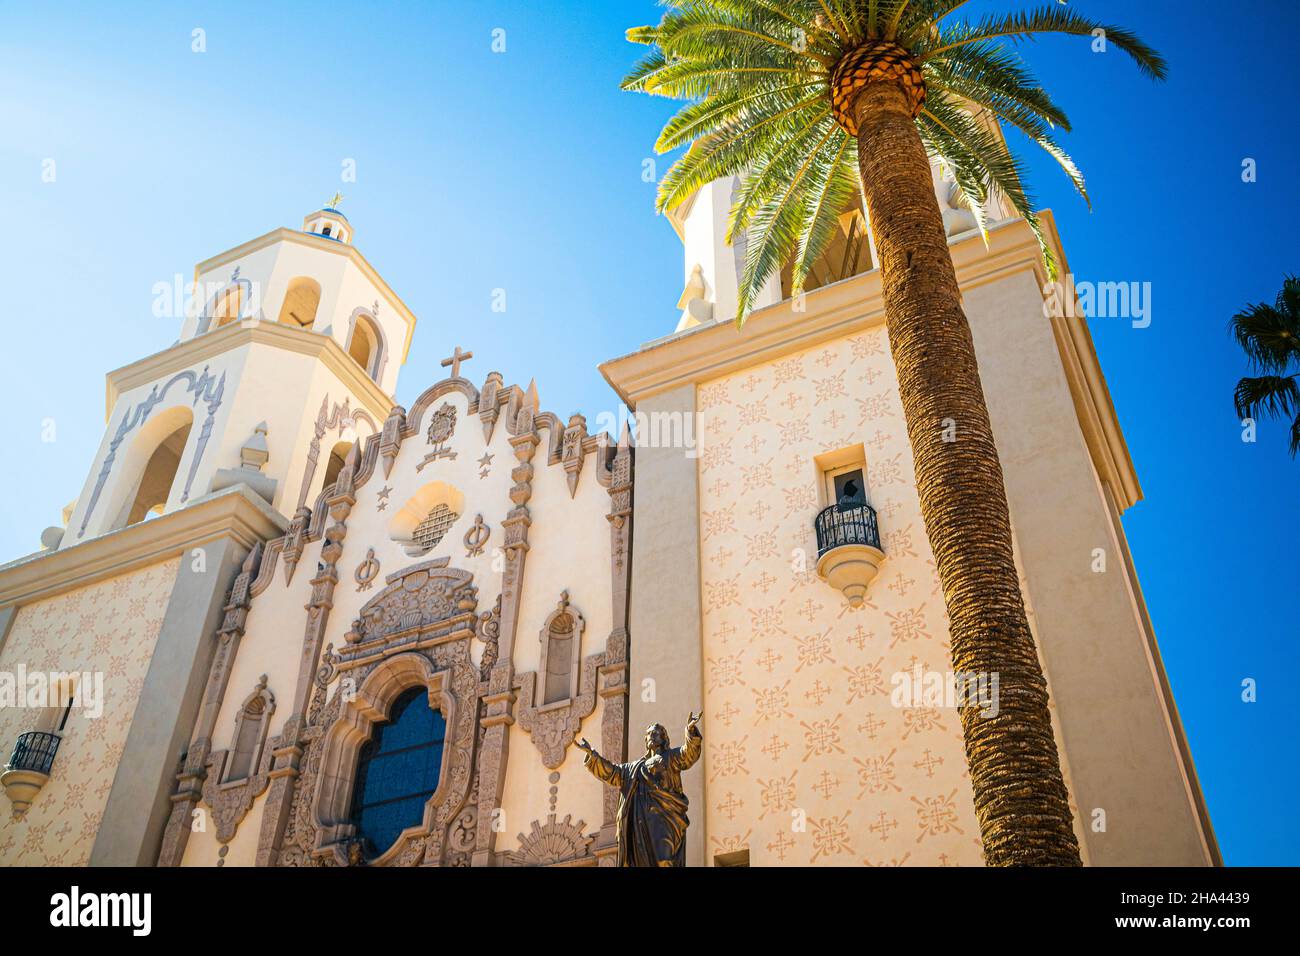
x=652 y=807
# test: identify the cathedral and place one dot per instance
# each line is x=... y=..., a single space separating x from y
x=289 y=622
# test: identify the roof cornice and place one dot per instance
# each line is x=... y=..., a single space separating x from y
x=236 y=513
x=857 y=303
x=250 y=332
x=344 y=249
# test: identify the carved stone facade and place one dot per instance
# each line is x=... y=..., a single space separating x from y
x=447 y=622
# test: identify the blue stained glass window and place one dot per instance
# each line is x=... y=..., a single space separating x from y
x=398 y=770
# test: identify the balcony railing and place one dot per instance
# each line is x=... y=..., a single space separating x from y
x=34 y=751
x=845 y=524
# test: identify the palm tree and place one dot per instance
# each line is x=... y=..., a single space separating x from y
x=810 y=101
x=1270 y=337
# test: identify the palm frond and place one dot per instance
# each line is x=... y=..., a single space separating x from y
x=784 y=164
x=755 y=78
x=1027 y=25
x=1269 y=337
x=1277 y=396
x=836 y=185
x=733 y=150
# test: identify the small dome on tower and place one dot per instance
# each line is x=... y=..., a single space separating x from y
x=328 y=222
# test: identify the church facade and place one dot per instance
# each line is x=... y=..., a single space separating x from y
x=288 y=622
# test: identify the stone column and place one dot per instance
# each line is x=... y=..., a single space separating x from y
x=665 y=601
x=1120 y=734
x=613 y=675
x=287 y=756
x=499 y=700
x=138 y=806
x=189 y=783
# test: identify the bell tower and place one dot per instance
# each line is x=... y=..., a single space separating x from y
x=292 y=357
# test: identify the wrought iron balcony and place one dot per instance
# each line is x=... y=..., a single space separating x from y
x=845 y=524
x=34 y=751
x=848 y=548
x=28 y=769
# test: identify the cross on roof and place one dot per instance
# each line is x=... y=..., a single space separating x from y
x=455 y=359
x=333 y=201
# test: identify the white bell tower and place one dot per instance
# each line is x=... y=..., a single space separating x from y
x=293 y=357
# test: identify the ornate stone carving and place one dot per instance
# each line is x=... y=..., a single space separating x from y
x=554 y=725
x=390 y=441
x=571 y=451
x=442 y=425
x=191 y=781
x=296 y=734
x=367 y=571
x=295 y=539
x=231 y=801
x=414 y=598
x=489 y=632
x=552 y=842
x=487 y=405
x=613 y=725
x=476 y=538
x=340 y=418
x=204 y=388
x=416 y=632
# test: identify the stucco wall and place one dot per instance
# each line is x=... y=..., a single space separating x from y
x=110 y=627
x=799 y=719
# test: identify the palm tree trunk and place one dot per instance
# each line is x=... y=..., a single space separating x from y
x=1020 y=797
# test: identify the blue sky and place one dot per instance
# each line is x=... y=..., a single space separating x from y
x=522 y=171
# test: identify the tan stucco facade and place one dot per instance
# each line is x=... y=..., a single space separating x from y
x=110 y=627
x=796 y=684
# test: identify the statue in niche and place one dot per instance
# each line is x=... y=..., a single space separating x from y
x=652 y=809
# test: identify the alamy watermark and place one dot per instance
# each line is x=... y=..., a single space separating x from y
x=918 y=688
x=45 y=689
x=1066 y=298
x=661 y=429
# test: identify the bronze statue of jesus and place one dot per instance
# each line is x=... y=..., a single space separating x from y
x=652 y=808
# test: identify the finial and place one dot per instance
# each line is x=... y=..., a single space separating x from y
x=333 y=202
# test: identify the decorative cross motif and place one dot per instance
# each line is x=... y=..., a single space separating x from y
x=333 y=201
x=769 y=660
x=884 y=823
x=728 y=713
x=775 y=747
x=869 y=726
x=455 y=359
x=827 y=784
x=730 y=805
x=781 y=844
x=929 y=763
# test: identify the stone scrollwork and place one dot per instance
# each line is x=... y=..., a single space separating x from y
x=230 y=802
x=489 y=632
x=554 y=728
x=476 y=538
x=415 y=598
x=367 y=571
x=553 y=721
x=416 y=632
x=442 y=425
